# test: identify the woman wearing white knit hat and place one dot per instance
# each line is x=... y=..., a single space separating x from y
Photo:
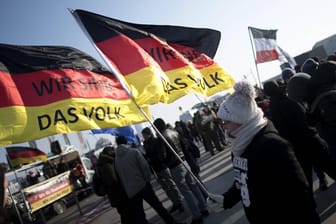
x=268 y=178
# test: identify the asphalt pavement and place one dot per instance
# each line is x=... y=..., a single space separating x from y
x=216 y=174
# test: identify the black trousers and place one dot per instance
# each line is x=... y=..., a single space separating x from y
x=148 y=194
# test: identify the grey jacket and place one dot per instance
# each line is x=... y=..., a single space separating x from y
x=132 y=168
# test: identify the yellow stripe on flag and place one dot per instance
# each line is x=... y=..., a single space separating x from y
x=146 y=88
x=20 y=124
x=216 y=79
x=18 y=161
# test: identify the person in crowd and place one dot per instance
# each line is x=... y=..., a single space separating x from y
x=194 y=132
x=197 y=119
x=309 y=66
x=323 y=103
x=4 y=199
x=269 y=180
x=183 y=179
x=190 y=150
x=156 y=156
x=135 y=175
x=210 y=132
x=286 y=74
x=49 y=169
x=8 y=214
x=33 y=177
x=78 y=173
x=115 y=191
x=289 y=116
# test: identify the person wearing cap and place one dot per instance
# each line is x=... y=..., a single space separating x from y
x=269 y=181
x=286 y=74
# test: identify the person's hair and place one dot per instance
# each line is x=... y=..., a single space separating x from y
x=160 y=124
x=121 y=140
x=108 y=150
x=147 y=131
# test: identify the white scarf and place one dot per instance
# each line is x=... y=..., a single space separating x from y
x=242 y=136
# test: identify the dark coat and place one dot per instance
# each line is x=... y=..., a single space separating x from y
x=174 y=139
x=155 y=154
x=270 y=182
x=289 y=118
x=115 y=192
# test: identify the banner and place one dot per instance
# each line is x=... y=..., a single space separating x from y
x=48 y=90
x=48 y=191
x=179 y=51
x=20 y=155
x=267 y=49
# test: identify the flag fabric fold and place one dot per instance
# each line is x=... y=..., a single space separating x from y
x=48 y=90
x=183 y=54
x=267 y=49
x=21 y=155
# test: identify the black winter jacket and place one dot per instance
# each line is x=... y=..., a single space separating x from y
x=155 y=154
x=270 y=182
x=174 y=139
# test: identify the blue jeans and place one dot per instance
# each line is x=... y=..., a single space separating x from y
x=167 y=183
x=189 y=189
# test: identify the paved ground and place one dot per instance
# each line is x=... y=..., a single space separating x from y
x=217 y=175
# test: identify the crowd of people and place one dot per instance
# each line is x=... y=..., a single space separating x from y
x=278 y=136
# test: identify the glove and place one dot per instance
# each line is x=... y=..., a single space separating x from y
x=216 y=198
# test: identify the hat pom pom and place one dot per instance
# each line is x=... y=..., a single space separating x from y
x=245 y=88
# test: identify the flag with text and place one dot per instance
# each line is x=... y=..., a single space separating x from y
x=48 y=90
x=183 y=54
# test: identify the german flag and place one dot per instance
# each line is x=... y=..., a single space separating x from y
x=181 y=52
x=48 y=90
x=20 y=155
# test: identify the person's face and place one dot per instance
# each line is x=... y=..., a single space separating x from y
x=230 y=126
x=145 y=136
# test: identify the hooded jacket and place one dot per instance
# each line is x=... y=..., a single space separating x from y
x=270 y=182
x=106 y=168
x=132 y=168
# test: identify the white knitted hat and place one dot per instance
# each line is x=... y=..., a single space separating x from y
x=240 y=106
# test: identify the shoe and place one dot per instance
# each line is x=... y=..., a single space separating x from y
x=205 y=213
x=177 y=208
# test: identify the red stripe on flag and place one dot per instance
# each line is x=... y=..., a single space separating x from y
x=48 y=86
x=265 y=56
x=199 y=60
x=23 y=152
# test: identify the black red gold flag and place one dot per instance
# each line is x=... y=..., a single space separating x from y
x=183 y=53
x=48 y=90
x=21 y=155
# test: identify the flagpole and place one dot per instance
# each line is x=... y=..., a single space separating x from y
x=110 y=66
x=118 y=75
x=255 y=59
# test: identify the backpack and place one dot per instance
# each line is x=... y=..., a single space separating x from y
x=98 y=185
